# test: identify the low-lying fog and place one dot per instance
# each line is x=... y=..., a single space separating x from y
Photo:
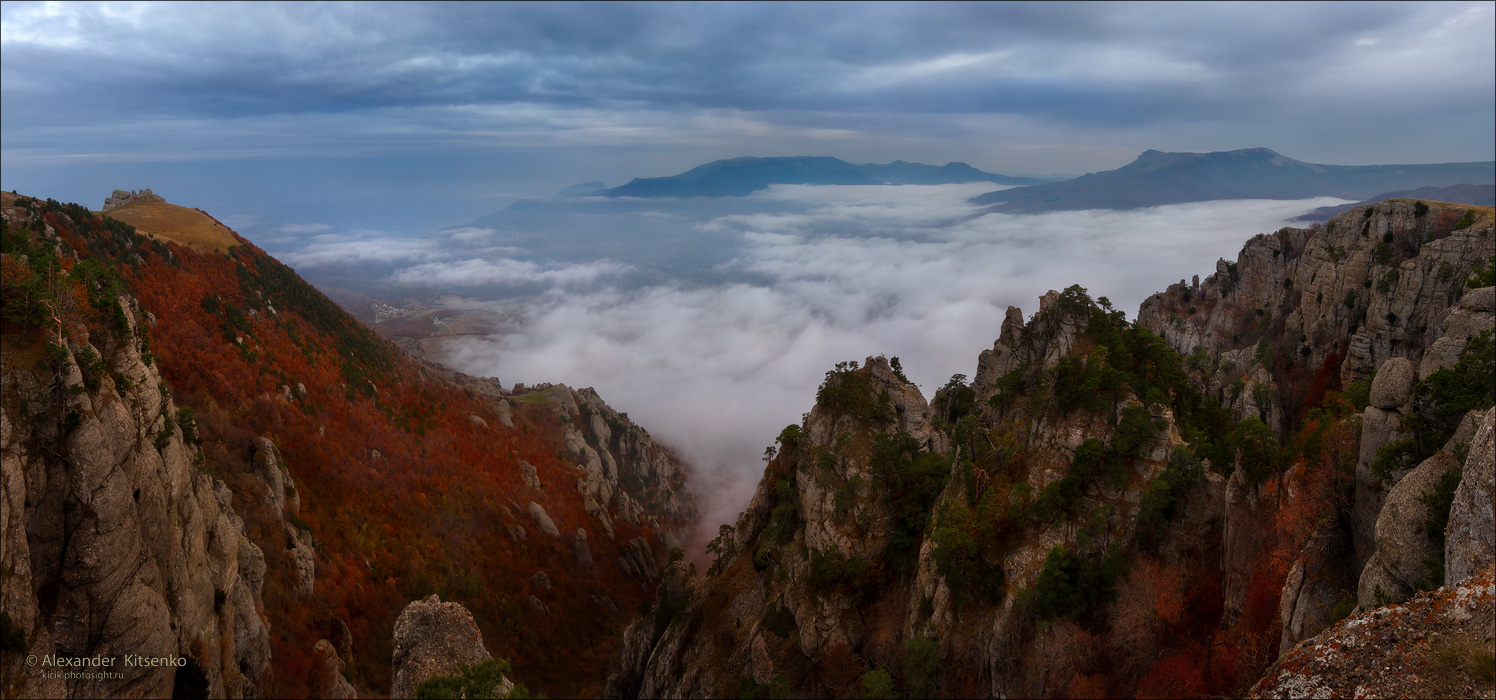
x=711 y=322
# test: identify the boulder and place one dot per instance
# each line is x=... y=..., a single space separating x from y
x=580 y=552
x=433 y=638
x=506 y=413
x=543 y=520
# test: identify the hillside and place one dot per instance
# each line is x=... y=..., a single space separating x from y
x=1479 y=195
x=737 y=177
x=190 y=227
x=206 y=457
x=1115 y=509
x=1158 y=178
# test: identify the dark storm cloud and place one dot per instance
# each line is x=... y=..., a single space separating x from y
x=336 y=79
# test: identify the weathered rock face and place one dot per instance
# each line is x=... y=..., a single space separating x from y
x=1470 y=538
x=328 y=680
x=122 y=197
x=114 y=541
x=1371 y=654
x=433 y=638
x=1381 y=423
x=766 y=610
x=543 y=520
x=1382 y=275
x=1318 y=580
x=1405 y=558
x=622 y=473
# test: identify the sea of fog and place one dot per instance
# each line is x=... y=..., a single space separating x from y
x=711 y=322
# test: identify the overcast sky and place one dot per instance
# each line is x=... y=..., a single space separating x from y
x=404 y=118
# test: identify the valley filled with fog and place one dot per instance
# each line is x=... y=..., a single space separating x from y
x=711 y=321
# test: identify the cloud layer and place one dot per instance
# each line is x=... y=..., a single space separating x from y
x=847 y=272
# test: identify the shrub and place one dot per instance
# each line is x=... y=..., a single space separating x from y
x=1437 y=504
x=779 y=620
x=877 y=684
x=1466 y=220
x=913 y=478
x=1134 y=429
x=478 y=680
x=830 y=570
x=1358 y=393
x=1069 y=586
x=1257 y=450
x=922 y=658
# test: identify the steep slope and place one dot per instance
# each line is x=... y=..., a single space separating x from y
x=365 y=478
x=1158 y=178
x=1437 y=645
x=1108 y=508
x=167 y=221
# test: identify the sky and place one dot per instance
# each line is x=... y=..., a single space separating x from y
x=406 y=118
x=386 y=135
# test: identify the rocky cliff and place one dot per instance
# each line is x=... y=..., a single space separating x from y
x=1114 y=508
x=116 y=541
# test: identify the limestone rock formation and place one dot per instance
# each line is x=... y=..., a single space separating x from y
x=328 y=680
x=543 y=520
x=121 y=198
x=1405 y=560
x=114 y=541
x=433 y=638
x=1470 y=538
x=1317 y=582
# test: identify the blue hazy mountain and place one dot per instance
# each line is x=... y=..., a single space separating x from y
x=736 y=177
x=904 y=173
x=583 y=189
x=1157 y=178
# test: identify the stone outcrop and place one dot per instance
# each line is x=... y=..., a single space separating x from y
x=114 y=541
x=433 y=638
x=1405 y=559
x=1373 y=290
x=637 y=561
x=1470 y=537
x=327 y=673
x=1425 y=647
x=543 y=520
x=1317 y=582
x=121 y=198
x=581 y=554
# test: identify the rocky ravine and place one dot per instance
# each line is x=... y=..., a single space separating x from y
x=802 y=599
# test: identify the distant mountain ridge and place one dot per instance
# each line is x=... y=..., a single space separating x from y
x=736 y=177
x=1480 y=195
x=1158 y=178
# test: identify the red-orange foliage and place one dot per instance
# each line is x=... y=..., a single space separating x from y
x=1175 y=677
x=1087 y=686
x=403 y=493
